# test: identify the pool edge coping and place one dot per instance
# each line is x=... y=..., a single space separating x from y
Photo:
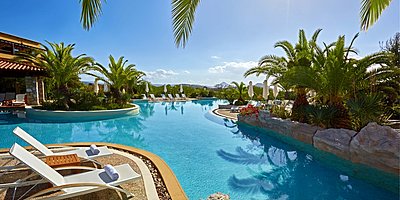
x=171 y=182
x=215 y=112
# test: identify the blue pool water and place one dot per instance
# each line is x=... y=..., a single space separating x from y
x=208 y=154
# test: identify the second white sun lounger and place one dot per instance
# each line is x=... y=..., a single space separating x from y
x=83 y=152
x=76 y=184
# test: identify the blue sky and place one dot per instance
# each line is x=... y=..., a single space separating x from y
x=228 y=36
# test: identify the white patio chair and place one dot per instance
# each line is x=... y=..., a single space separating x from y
x=76 y=184
x=82 y=152
x=19 y=99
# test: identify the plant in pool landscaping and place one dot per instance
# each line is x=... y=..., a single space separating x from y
x=249 y=111
x=279 y=111
x=365 y=109
x=321 y=115
x=219 y=196
x=118 y=76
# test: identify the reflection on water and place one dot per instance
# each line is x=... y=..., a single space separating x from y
x=210 y=154
x=277 y=171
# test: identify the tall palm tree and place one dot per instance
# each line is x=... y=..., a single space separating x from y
x=118 y=76
x=183 y=12
x=336 y=76
x=371 y=10
x=300 y=56
x=62 y=67
x=240 y=89
x=135 y=81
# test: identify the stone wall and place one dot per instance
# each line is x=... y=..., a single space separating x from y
x=376 y=146
x=32 y=92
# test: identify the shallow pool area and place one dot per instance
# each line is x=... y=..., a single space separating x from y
x=209 y=154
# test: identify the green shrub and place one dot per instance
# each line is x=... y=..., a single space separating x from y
x=321 y=115
x=365 y=109
x=280 y=111
x=240 y=103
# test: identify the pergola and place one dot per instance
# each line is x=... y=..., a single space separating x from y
x=9 y=68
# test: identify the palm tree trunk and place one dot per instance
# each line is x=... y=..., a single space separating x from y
x=299 y=106
x=64 y=95
x=342 y=118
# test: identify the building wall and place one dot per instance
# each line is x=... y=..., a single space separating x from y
x=16 y=39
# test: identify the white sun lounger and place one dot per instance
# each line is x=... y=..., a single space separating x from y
x=82 y=152
x=152 y=97
x=177 y=96
x=163 y=97
x=76 y=184
x=171 y=97
x=184 y=96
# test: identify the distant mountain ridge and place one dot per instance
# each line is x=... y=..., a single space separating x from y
x=222 y=85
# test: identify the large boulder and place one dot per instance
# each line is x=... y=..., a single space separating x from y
x=377 y=146
x=279 y=125
x=304 y=132
x=336 y=141
x=249 y=119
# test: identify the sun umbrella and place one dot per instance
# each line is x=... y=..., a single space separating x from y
x=105 y=87
x=275 y=91
x=181 y=89
x=165 y=89
x=96 y=86
x=147 y=88
x=265 y=90
x=250 y=91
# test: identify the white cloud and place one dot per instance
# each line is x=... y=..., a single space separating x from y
x=215 y=57
x=160 y=74
x=186 y=72
x=232 y=67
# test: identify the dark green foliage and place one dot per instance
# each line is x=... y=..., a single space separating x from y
x=365 y=109
x=84 y=98
x=239 y=103
x=321 y=115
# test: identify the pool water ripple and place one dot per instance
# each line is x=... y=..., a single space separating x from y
x=209 y=154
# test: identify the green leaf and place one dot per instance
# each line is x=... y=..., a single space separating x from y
x=371 y=10
x=183 y=12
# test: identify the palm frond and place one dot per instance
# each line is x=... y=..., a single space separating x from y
x=91 y=11
x=183 y=12
x=371 y=10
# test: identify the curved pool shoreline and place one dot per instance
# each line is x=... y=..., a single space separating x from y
x=79 y=116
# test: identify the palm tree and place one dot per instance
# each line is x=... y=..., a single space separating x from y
x=371 y=10
x=118 y=77
x=299 y=55
x=240 y=89
x=183 y=12
x=335 y=76
x=62 y=67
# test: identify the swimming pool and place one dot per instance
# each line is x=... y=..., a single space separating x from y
x=209 y=155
